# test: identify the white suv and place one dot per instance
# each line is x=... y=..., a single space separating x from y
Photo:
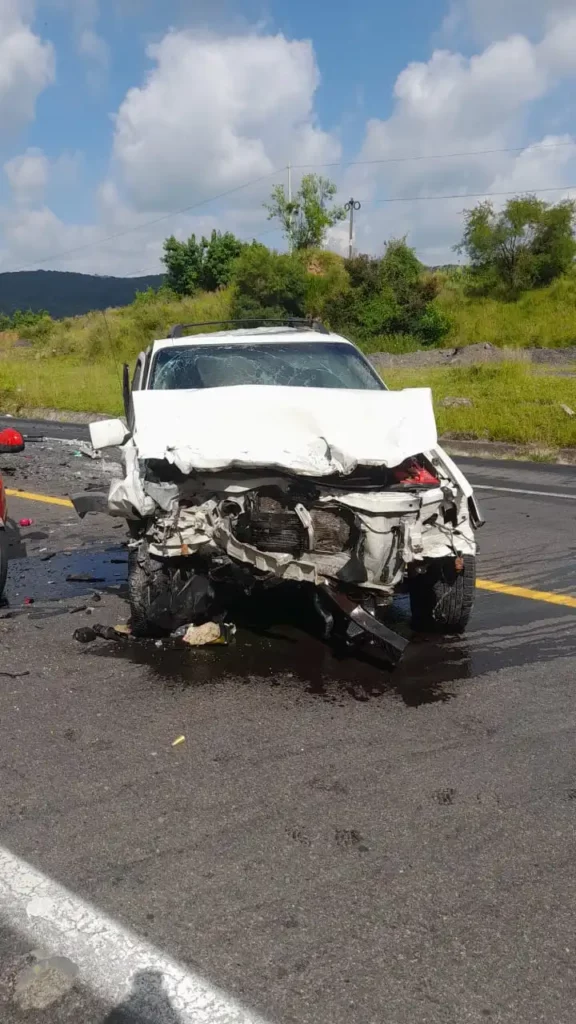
x=270 y=454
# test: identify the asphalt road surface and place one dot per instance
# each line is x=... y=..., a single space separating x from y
x=332 y=842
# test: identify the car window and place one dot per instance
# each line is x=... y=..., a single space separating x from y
x=294 y=364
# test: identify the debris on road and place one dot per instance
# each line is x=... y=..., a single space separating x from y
x=15 y=675
x=28 y=600
x=179 y=741
x=85 y=635
x=209 y=633
x=25 y=522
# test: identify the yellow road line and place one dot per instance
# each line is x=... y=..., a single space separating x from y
x=496 y=588
x=530 y=595
x=65 y=502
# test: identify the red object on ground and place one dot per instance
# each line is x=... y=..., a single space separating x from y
x=28 y=600
x=11 y=440
x=25 y=522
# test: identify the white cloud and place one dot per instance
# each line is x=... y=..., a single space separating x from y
x=458 y=105
x=28 y=176
x=495 y=19
x=216 y=112
x=91 y=46
x=26 y=65
x=96 y=51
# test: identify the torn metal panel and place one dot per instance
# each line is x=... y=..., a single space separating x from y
x=313 y=432
x=127 y=497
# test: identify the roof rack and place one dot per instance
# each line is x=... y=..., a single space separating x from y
x=307 y=325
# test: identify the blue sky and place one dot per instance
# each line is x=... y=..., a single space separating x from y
x=115 y=115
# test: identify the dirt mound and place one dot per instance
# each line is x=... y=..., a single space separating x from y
x=470 y=355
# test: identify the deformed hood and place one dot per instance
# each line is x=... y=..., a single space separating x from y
x=309 y=431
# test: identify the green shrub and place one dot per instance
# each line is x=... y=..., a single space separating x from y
x=268 y=284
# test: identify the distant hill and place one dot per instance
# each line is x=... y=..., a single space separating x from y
x=67 y=294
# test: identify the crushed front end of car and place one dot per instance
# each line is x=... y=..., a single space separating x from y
x=344 y=492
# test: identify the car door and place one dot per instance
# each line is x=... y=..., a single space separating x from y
x=128 y=389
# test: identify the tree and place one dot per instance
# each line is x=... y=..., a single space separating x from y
x=205 y=264
x=183 y=262
x=306 y=218
x=528 y=244
x=218 y=259
x=391 y=296
x=268 y=284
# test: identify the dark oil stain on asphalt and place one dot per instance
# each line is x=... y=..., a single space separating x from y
x=278 y=640
x=96 y=567
x=281 y=648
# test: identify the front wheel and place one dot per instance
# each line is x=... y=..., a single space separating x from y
x=166 y=594
x=442 y=598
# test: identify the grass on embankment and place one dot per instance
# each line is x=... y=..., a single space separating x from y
x=510 y=402
x=542 y=318
x=60 y=382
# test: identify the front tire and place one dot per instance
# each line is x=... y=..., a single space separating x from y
x=146 y=580
x=166 y=594
x=442 y=599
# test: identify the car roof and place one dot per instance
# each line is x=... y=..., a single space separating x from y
x=254 y=334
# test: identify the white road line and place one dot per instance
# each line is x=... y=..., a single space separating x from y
x=110 y=958
x=518 y=490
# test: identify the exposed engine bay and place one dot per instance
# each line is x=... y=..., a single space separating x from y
x=365 y=533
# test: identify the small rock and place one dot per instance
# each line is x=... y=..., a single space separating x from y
x=449 y=403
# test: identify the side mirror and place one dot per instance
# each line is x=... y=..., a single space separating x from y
x=11 y=441
x=108 y=434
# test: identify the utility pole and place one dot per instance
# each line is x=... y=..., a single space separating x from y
x=290 y=200
x=351 y=206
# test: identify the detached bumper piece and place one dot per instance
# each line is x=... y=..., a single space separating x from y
x=363 y=624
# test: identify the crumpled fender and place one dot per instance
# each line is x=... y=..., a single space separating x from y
x=127 y=497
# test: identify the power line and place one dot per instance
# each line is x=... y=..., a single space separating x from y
x=146 y=224
x=438 y=156
x=264 y=177
x=470 y=195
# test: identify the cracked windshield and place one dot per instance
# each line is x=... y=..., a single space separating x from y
x=316 y=365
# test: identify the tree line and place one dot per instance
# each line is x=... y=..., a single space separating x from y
x=525 y=245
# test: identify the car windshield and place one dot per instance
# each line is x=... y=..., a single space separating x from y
x=293 y=364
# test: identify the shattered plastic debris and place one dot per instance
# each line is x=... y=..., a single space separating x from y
x=179 y=741
x=123 y=629
x=209 y=633
x=87 y=634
